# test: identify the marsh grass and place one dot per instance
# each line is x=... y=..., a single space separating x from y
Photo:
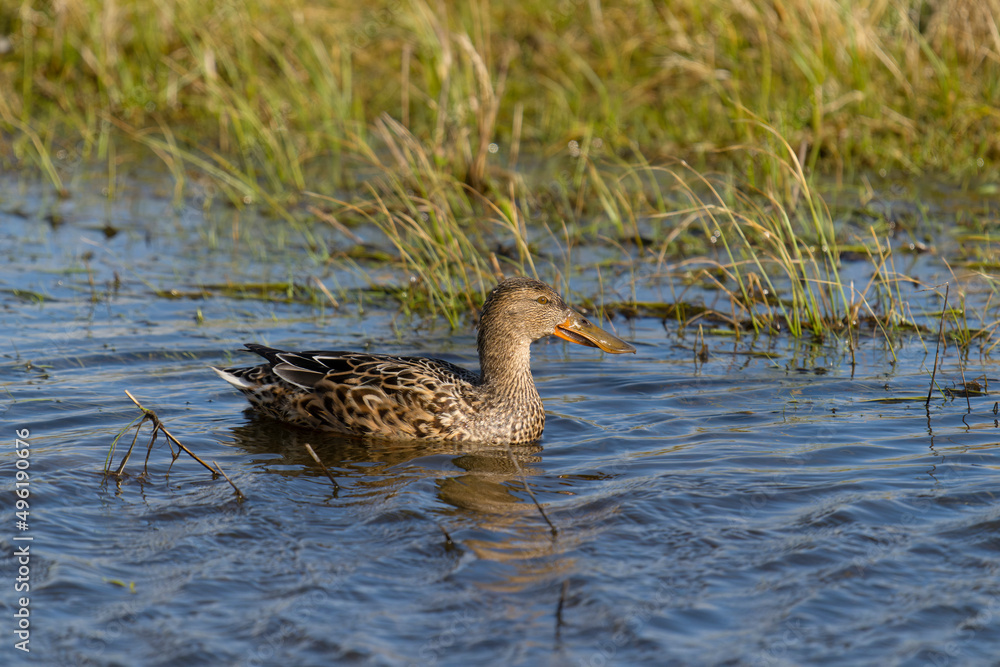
x=675 y=132
x=262 y=89
x=777 y=265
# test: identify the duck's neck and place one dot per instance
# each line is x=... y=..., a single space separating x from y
x=505 y=369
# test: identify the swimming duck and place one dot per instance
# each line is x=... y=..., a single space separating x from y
x=415 y=398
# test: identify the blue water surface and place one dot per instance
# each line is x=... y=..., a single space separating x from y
x=773 y=503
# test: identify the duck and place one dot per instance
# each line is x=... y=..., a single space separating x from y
x=421 y=398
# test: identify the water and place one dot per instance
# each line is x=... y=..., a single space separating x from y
x=772 y=505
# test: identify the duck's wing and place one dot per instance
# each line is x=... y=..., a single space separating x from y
x=306 y=369
x=377 y=393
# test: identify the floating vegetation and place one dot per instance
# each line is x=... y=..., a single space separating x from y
x=158 y=427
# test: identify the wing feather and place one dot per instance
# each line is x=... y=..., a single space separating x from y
x=375 y=393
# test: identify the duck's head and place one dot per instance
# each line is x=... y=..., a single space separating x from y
x=523 y=310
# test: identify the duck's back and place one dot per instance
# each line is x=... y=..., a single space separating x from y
x=363 y=394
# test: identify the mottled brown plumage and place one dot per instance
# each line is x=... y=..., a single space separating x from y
x=423 y=398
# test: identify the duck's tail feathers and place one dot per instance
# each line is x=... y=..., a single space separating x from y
x=234 y=376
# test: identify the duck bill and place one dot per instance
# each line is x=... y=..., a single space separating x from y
x=577 y=329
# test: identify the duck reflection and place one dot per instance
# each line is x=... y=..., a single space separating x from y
x=488 y=478
x=481 y=487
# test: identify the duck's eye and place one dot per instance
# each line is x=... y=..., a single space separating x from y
x=544 y=300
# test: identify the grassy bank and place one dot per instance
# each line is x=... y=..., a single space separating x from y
x=265 y=88
x=453 y=128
